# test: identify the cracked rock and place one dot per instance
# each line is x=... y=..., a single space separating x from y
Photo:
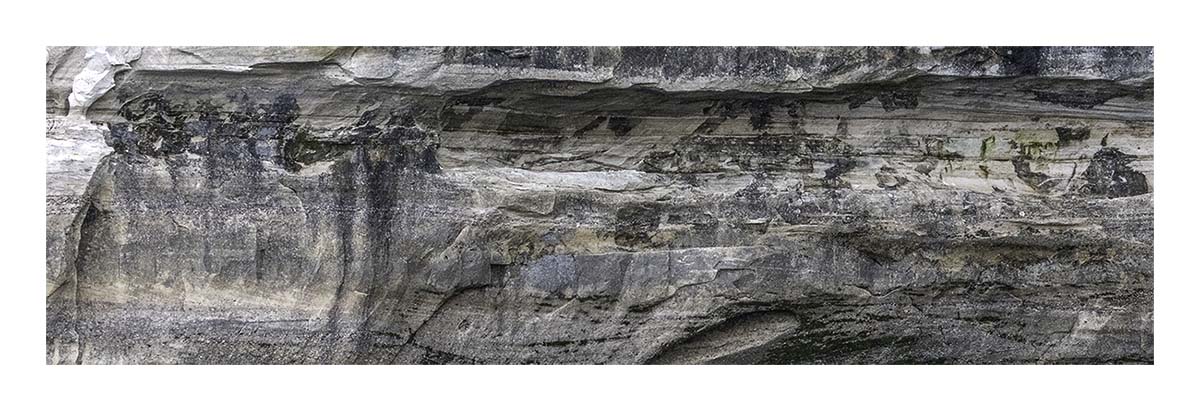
x=599 y=205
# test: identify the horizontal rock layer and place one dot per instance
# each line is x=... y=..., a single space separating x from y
x=600 y=205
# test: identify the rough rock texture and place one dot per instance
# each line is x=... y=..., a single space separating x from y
x=599 y=205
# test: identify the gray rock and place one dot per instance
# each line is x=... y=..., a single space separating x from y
x=599 y=205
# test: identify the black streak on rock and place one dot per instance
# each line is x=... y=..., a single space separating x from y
x=1069 y=134
x=621 y=126
x=1109 y=175
x=636 y=223
x=1035 y=180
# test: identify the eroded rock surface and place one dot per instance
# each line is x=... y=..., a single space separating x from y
x=599 y=205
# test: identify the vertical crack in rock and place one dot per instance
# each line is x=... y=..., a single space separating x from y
x=81 y=237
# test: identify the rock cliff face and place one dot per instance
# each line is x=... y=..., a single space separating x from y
x=599 y=205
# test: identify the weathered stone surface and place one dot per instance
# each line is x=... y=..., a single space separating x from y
x=599 y=205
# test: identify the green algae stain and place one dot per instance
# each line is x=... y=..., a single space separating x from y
x=986 y=147
x=1035 y=144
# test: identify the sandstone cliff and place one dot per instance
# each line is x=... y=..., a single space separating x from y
x=599 y=205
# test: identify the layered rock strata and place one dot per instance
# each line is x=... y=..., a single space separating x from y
x=367 y=205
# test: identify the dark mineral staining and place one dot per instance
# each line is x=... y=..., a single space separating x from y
x=756 y=191
x=724 y=110
x=1085 y=94
x=149 y=106
x=1069 y=134
x=1038 y=181
x=1109 y=175
x=890 y=97
x=888 y=179
x=528 y=123
x=283 y=110
x=155 y=127
x=857 y=100
x=843 y=127
x=760 y=114
x=305 y=149
x=462 y=109
x=726 y=332
x=158 y=127
x=720 y=111
x=794 y=111
x=230 y=140
x=405 y=145
x=621 y=126
x=636 y=223
x=897 y=99
x=395 y=132
x=794 y=108
x=1020 y=61
x=592 y=125
x=660 y=161
x=840 y=166
x=709 y=125
x=820 y=339
x=375 y=216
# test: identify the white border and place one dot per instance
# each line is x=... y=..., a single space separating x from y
x=28 y=383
